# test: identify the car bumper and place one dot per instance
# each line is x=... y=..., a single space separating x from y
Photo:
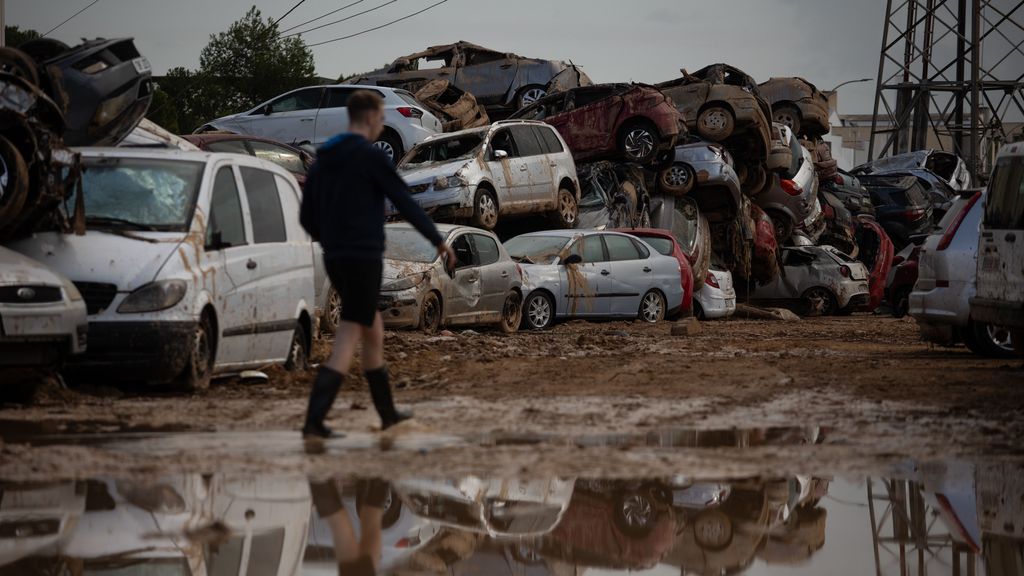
x=450 y=203
x=718 y=305
x=399 y=309
x=999 y=312
x=854 y=295
x=940 y=305
x=142 y=351
x=41 y=332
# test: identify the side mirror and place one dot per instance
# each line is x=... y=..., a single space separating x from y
x=217 y=242
x=267 y=110
x=571 y=259
x=500 y=154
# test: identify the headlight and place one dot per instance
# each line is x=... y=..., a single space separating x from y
x=402 y=284
x=154 y=296
x=445 y=182
x=72 y=291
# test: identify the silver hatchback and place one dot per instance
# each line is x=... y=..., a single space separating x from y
x=821 y=278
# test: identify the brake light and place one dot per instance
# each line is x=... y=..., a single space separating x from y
x=839 y=179
x=844 y=271
x=710 y=280
x=947 y=236
x=913 y=214
x=410 y=112
x=792 y=188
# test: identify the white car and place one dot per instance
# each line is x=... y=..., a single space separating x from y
x=36 y=518
x=947 y=269
x=717 y=298
x=820 y=278
x=513 y=167
x=314 y=114
x=42 y=314
x=192 y=263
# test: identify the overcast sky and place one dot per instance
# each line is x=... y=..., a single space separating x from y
x=825 y=41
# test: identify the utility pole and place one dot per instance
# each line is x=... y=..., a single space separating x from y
x=3 y=25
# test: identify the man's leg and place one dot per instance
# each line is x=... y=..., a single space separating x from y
x=329 y=378
x=377 y=375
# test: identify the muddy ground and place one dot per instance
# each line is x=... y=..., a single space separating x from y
x=553 y=402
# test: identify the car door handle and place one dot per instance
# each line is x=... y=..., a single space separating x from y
x=251 y=264
x=1011 y=237
x=605 y=272
x=553 y=164
x=504 y=274
x=647 y=269
x=472 y=279
x=505 y=66
x=522 y=167
x=305 y=119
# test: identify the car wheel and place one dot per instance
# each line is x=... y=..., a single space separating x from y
x=712 y=529
x=652 y=307
x=16 y=62
x=638 y=142
x=715 y=123
x=390 y=144
x=13 y=181
x=635 y=513
x=392 y=507
x=901 y=303
x=298 y=353
x=677 y=179
x=430 y=313
x=756 y=180
x=989 y=340
x=789 y=116
x=821 y=299
x=529 y=94
x=485 y=209
x=332 y=313
x=512 y=313
x=782 y=225
x=538 y=311
x=698 y=310
x=199 y=367
x=568 y=210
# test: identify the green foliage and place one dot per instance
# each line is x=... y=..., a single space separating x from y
x=15 y=36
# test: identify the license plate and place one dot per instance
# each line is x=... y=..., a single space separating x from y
x=990 y=263
x=729 y=302
x=142 y=65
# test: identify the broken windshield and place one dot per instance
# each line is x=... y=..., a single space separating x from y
x=461 y=147
x=408 y=245
x=141 y=193
x=536 y=249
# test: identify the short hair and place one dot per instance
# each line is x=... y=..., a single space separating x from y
x=361 y=103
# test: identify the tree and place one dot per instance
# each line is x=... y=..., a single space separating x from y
x=15 y=36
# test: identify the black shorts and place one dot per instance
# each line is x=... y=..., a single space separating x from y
x=358 y=284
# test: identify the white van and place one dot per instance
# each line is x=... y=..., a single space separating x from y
x=192 y=264
x=999 y=297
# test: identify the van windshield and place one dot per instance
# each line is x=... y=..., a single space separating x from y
x=1005 y=207
x=140 y=193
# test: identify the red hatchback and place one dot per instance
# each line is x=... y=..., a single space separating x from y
x=295 y=160
x=630 y=121
x=666 y=244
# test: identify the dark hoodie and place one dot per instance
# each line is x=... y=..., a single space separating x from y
x=343 y=200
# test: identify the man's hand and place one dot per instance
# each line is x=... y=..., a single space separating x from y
x=444 y=250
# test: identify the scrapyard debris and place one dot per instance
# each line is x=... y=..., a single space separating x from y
x=757 y=313
x=613 y=196
x=798 y=104
x=825 y=166
x=948 y=166
x=456 y=108
x=685 y=327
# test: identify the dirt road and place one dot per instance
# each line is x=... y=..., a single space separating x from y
x=586 y=398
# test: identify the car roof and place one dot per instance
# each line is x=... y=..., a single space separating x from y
x=484 y=129
x=208 y=137
x=571 y=233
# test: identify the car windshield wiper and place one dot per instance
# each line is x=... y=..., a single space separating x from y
x=119 y=222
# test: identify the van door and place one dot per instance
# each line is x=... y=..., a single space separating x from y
x=509 y=173
x=332 y=117
x=1001 y=246
x=534 y=154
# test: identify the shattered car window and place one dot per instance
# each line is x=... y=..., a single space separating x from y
x=146 y=193
x=536 y=249
x=1005 y=206
x=458 y=148
x=408 y=245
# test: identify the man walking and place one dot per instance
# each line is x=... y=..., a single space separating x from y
x=343 y=209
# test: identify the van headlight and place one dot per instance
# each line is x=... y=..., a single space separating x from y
x=154 y=296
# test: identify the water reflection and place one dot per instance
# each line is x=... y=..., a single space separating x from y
x=936 y=518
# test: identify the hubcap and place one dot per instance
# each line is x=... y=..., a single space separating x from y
x=715 y=120
x=785 y=119
x=636 y=511
x=677 y=176
x=532 y=95
x=1000 y=336
x=539 y=312
x=826 y=303
x=488 y=212
x=568 y=208
x=387 y=148
x=334 y=307
x=639 y=143
x=652 y=307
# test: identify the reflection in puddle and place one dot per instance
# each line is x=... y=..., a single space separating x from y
x=935 y=518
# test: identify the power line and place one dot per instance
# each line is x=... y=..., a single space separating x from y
x=70 y=18
x=290 y=10
x=341 y=20
x=335 y=11
x=386 y=24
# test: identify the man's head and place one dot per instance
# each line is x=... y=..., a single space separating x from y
x=366 y=114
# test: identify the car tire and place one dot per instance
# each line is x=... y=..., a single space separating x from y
x=298 y=351
x=511 y=313
x=199 y=366
x=829 y=305
x=431 y=313
x=698 y=310
x=16 y=62
x=538 y=311
x=636 y=513
x=331 y=316
x=390 y=144
x=13 y=182
x=529 y=94
x=639 y=142
x=788 y=115
x=782 y=226
x=392 y=507
x=901 y=302
x=568 y=210
x=756 y=180
x=652 y=307
x=989 y=341
x=485 y=209
x=677 y=179
x=715 y=123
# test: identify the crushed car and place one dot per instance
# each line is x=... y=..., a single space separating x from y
x=798 y=104
x=716 y=298
x=291 y=158
x=501 y=81
x=484 y=175
x=457 y=109
x=791 y=197
x=681 y=216
x=614 y=196
x=631 y=122
x=417 y=291
x=840 y=227
x=902 y=206
x=817 y=280
x=876 y=251
x=947 y=165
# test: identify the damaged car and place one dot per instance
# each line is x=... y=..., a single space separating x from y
x=681 y=216
x=614 y=196
x=790 y=200
x=511 y=168
x=947 y=165
x=417 y=291
x=457 y=109
x=592 y=274
x=902 y=206
x=797 y=104
x=666 y=244
x=501 y=81
x=817 y=280
x=876 y=251
x=717 y=297
x=840 y=228
x=632 y=122
x=293 y=159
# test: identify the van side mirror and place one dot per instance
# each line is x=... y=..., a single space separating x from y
x=499 y=154
x=571 y=259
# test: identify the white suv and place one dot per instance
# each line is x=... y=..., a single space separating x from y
x=513 y=167
x=314 y=114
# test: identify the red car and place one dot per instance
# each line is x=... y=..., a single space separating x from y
x=634 y=122
x=876 y=252
x=295 y=160
x=904 y=276
x=764 y=265
x=666 y=244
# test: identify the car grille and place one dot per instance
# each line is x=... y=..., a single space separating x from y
x=418 y=188
x=97 y=296
x=29 y=294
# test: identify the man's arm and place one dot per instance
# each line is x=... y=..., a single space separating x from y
x=396 y=190
x=309 y=209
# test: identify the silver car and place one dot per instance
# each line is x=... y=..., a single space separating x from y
x=716 y=298
x=513 y=167
x=790 y=200
x=592 y=274
x=820 y=278
x=417 y=291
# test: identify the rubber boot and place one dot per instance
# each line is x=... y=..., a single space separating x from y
x=321 y=398
x=380 y=390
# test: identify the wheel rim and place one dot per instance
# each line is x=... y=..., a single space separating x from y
x=651 y=308
x=677 y=176
x=786 y=119
x=298 y=352
x=1000 y=337
x=334 y=307
x=539 y=312
x=715 y=120
x=511 y=310
x=636 y=511
x=532 y=95
x=639 y=143
x=431 y=314
x=826 y=300
x=386 y=147
x=488 y=211
x=567 y=207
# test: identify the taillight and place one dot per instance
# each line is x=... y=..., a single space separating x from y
x=844 y=271
x=792 y=188
x=710 y=280
x=947 y=236
x=839 y=179
x=913 y=214
x=410 y=112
